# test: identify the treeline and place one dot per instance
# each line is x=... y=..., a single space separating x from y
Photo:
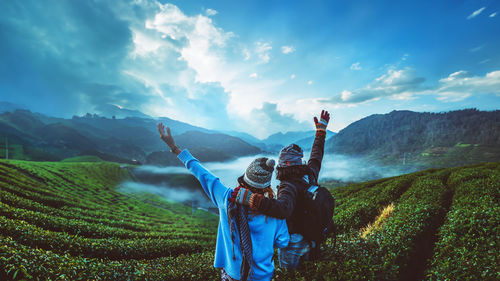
x=409 y=132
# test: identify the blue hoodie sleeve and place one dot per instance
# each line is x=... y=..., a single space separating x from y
x=282 y=237
x=211 y=184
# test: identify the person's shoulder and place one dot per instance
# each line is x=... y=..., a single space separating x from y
x=291 y=183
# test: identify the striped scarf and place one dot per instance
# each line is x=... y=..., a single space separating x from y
x=238 y=219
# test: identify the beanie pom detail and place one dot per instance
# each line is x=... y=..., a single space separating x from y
x=270 y=163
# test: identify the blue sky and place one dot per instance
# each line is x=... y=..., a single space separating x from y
x=253 y=66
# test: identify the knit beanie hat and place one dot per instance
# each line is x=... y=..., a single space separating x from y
x=259 y=172
x=290 y=155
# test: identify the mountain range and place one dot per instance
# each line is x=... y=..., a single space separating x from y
x=399 y=137
x=34 y=136
x=132 y=139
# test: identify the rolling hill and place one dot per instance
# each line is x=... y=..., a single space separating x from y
x=40 y=137
x=430 y=139
x=67 y=221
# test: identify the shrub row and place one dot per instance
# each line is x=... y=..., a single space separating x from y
x=411 y=226
x=74 y=213
x=126 y=220
x=111 y=248
x=20 y=262
x=359 y=210
x=467 y=248
x=348 y=191
x=91 y=230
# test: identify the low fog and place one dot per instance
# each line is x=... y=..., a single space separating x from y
x=157 y=180
x=177 y=194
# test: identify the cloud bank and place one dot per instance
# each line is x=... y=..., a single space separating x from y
x=142 y=55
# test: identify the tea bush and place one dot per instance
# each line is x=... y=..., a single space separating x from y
x=66 y=221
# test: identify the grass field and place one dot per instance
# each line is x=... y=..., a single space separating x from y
x=66 y=221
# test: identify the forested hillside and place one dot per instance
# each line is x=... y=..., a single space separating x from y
x=440 y=139
x=34 y=136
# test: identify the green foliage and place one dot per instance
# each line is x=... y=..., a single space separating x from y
x=401 y=248
x=428 y=139
x=66 y=221
x=467 y=248
x=86 y=158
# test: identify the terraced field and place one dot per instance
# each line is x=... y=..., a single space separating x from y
x=445 y=225
x=66 y=221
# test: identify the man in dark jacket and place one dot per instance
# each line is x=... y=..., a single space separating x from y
x=295 y=178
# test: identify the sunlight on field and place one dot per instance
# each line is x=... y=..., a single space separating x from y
x=385 y=213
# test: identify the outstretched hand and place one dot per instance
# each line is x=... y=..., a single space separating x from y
x=168 y=139
x=323 y=122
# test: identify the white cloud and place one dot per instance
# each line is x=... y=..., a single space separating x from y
x=193 y=53
x=310 y=82
x=274 y=119
x=396 y=84
x=292 y=76
x=144 y=44
x=484 y=61
x=476 y=13
x=493 y=15
x=475 y=49
x=210 y=12
x=287 y=49
x=461 y=84
x=246 y=54
x=455 y=76
x=263 y=50
x=355 y=66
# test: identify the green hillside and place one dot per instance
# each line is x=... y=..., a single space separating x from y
x=34 y=136
x=453 y=138
x=66 y=221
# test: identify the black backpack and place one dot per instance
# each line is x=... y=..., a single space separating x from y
x=315 y=219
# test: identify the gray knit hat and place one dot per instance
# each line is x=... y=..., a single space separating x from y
x=290 y=155
x=259 y=172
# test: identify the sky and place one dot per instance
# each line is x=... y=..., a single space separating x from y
x=254 y=66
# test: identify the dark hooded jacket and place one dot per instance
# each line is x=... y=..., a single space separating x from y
x=291 y=192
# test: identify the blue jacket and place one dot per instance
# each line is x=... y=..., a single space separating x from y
x=266 y=234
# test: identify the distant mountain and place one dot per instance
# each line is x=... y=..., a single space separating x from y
x=306 y=143
x=244 y=136
x=7 y=106
x=221 y=142
x=41 y=137
x=204 y=154
x=438 y=139
x=287 y=138
x=110 y=110
x=207 y=147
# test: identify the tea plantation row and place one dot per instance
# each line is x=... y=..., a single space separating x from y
x=66 y=221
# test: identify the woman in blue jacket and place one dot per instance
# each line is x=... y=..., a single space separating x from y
x=245 y=239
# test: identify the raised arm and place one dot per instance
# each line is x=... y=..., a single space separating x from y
x=211 y=184
x=283 y=206
x=318 y=147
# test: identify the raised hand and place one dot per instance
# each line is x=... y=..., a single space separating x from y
x=168 y=139
x=323 y=122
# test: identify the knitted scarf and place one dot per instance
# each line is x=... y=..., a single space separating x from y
x=238 y=219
